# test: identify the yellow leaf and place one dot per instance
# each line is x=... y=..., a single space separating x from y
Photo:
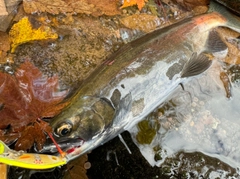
x=139 y=3
x=22 y=32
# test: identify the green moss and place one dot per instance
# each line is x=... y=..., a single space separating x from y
x=157 y=157
x=146 y=134
x=152 y=7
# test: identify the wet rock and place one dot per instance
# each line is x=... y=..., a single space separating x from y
x=11 y=7
x=3 y=10
x=112 y=160
x=81 y=47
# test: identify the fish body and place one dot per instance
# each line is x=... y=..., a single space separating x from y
x=138 y=78
x=233 y=5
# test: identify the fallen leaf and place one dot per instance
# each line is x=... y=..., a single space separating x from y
x=93 y=7
x=23 y=32
x=33 y=134
x=4 y=46
x=233 y=56
x=140 y=3
x=24 y=99
x=75 y=168
x=143 y=22
x=4 y=170
x=26 y=139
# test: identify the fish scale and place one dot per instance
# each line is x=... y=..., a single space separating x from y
x=159 y=59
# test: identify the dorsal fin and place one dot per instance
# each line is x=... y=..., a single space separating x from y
x=196 y=65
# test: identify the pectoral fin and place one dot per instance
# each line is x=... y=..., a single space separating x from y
x=215 y=43
x=196 y=65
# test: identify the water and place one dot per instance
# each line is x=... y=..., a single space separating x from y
x=198 y=119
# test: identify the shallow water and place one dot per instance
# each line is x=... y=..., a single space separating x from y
x=198 y=119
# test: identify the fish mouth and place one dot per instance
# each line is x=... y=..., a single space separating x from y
x=66 y=144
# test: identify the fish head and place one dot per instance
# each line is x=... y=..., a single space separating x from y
x=85 y=119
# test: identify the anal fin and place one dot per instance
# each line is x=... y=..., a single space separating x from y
x=196 y=65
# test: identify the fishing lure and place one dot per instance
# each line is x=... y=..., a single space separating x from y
x=29 y=160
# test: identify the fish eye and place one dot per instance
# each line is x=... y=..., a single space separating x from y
x=64 y=129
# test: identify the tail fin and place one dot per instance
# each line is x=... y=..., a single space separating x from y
x=233 y=22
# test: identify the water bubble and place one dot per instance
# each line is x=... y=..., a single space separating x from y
x=195 y=99
x=194 y=104
x=8 y=69
x=128 y=35
x=87 y=165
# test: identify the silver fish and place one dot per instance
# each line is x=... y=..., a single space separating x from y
x=139 y=77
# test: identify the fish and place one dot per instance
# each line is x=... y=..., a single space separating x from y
x=140 y=76
x=233 y=5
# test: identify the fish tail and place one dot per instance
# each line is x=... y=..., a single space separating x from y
x=233 y=22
